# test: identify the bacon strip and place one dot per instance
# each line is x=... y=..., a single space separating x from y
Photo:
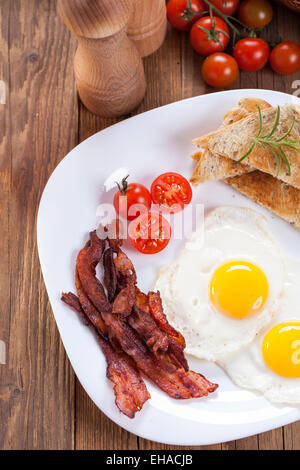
x=130 y=390
x=176 y=340
x=144 y=324
x=124 y=301
x=110 y=274
x=125 y=268
x=86 y=262
x=73 y=302
x=90 y=311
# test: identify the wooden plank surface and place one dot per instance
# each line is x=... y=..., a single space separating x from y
x=42 y=405
x=37 y=383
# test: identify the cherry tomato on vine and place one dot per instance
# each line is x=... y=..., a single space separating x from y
x=209 y=35
x=285 y=58
x=251 y=54
x=183 y=13
x=150 y=233
x=228 y=7
x=171 y=191
x=131 y=200
x=255 y=13
x=220 y=70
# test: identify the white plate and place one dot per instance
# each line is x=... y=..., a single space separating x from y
x=147 y=145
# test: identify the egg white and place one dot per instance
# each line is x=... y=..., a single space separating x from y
x=248 y=369
x=230 y=233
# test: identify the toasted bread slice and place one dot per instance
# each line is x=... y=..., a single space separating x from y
x=245 y=107
x=234 y=140
x=212 y=167
x=275 y=195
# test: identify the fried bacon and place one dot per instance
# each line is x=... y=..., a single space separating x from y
x=88 y=308
x=175 y=339
x=130 y=390
x=110 y=274
x=125 y=269
x=86 y=262
x=144 y=324
x=124 y=301
x=73 y=302
x=135 y=335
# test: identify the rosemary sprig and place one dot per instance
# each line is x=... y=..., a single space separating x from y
x=274 y=144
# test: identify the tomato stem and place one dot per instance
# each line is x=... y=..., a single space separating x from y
x=123 y=186
x=188 y=14
x=213 y=33
x=223 y=16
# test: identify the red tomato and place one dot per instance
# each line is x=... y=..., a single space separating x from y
x=220 y=70
x=251 y=54
x=228 y=7
x=131 y=200
x=255 y=13
x=150 y=233
x=285 y=58
x=171 y=191
x=181 y=13
x=209 y=35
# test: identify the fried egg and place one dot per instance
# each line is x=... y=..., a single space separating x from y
x=226 y=284
x=271 y=363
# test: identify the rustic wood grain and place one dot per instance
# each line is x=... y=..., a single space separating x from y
x=41 y=405
x=7 y=389
x=37 y=383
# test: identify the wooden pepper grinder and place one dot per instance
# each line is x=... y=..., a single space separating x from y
x=108 y=68
x=147 y=26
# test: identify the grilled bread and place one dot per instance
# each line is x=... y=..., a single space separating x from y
x=233 y=141
x=212 y=167
x=277 y=196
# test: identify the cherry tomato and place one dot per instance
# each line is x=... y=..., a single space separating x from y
x=228 y=7
x=251 y=54
x=285 y=58
x=255 y=13
x=131 y=200
x=181 y=13
x=209 y=35
x=171 y=191
x=220 y=70
x=150 y=233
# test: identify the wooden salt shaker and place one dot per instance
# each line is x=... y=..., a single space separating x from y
x=108 y=68
x=147 y=26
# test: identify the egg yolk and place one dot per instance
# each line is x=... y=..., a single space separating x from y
x=281 y=349
x=238 y=289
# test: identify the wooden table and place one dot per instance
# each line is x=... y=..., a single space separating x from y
x=42 y=405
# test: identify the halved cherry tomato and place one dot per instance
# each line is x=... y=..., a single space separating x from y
x=131 y=200
x=285 y=58
x=251 y=54
x=150 y=233
x=220 y=70
x=209 y=35
x=227 y=7
x=171 y=191
x=255 y=13
x=183 y=13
